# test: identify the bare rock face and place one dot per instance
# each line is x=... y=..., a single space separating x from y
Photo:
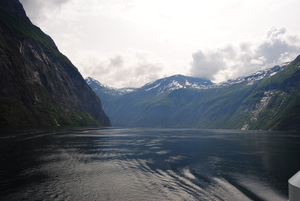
x=38 y=84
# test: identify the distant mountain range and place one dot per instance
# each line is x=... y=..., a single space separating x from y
x=267 y=99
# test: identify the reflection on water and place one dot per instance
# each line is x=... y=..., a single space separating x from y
x=146 y=164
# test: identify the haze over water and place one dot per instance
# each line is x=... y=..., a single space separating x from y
x=82 y=163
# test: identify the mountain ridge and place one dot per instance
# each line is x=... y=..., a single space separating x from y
x=258 y=101
x=260 y=74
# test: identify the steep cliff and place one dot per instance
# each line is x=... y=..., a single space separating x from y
x=38 y=84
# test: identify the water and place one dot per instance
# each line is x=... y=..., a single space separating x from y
x=146 y=164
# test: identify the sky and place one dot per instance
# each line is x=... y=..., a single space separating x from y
x=128 y=43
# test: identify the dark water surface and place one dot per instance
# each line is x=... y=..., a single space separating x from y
x=146 y=164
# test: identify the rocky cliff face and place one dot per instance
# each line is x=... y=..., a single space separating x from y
x=38 y=84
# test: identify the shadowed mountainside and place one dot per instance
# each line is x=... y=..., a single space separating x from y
x=38 y=84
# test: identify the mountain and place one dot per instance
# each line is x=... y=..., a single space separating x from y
x=106 y=92
x=38 y=84
x=129 y=107
x=267 y=99
x=274 y=104
x=174 y=82
x=257 y=75
x=98 y=87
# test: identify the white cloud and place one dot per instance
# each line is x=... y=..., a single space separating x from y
x=232 y=61
x=206 y=65
x=40 y=10
x=132 y=68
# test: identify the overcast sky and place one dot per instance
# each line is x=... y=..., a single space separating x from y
x=127 y=43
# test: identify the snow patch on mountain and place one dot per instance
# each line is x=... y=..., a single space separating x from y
x=153 y=87
x=261 y=74
x=96 y=85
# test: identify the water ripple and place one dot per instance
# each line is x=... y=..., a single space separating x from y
x=134 y=164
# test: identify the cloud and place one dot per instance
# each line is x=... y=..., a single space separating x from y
x=40 y=10
x=117 y=61
x=101 y=42
x=206 y=65
x=132 y=68
x=232 y=61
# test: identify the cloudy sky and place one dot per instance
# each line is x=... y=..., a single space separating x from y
x=127 y=43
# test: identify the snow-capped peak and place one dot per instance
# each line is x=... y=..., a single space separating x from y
x=175 y=82
x=96 y=85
